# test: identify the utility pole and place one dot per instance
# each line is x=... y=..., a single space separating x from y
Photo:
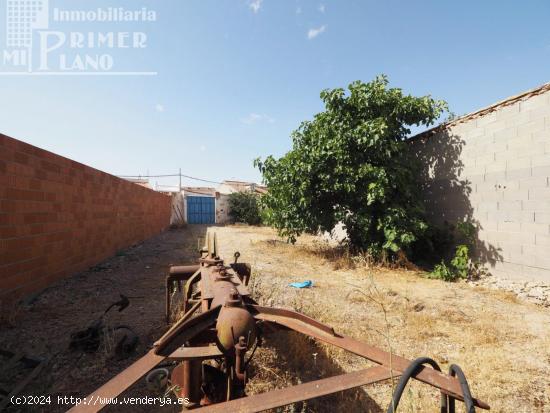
x=180 y=180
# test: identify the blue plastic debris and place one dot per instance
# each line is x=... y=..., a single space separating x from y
x=303 y=284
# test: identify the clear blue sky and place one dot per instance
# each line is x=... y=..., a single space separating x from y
x=235 y=77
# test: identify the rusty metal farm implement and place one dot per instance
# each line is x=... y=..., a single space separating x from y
x=212 y=350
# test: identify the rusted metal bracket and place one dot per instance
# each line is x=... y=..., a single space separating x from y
x=185 y=331
x=303 y=324
x=305 y=391
x=100 y=398
x=176 y=276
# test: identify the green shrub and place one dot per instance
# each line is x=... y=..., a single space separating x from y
x=462 y=264
x=244 y=207
x=442 y=272
x=457 y=268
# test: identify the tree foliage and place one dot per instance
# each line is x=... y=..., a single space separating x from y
x=244 y=207
x=350 y=164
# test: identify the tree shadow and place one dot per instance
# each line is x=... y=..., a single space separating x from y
x=446 y=192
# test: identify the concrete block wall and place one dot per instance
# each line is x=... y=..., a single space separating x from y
x=58 y=216
x=494 y=168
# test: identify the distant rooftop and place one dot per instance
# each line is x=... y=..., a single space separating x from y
x=199 y=190
x=140 y=181
x=241 y=186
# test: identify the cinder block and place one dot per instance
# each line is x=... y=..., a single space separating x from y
x=522 y=173
x=518 y=163
x=542 y=218
x=533 y=182
x=508 y=226
x=504 y=155
x=535 y=274
x=542 y=239
x=506 y=133
x=508 y=185
x=534 y=229
x=479 y=139
x=487 y=119
x=510 y=205
x=534 y=102
x=541 y=193
x=506 y=248
x=515 y=120
x=489 y=196
x=509 y=111
x=528 y=150
x=542 y=159
x=492 y=165
x=515 y=195
x=543 y=171
x=471 y=135
x=512 y=216
x=536 y=205
x=527 y=257
x=463 y=127
x=489 y=225
x=494 y=127
x=537 y=250
x=539 y=113
x=519 y=238
x=542 y=260
x=487 y=206
x=494 y=176
x=541 y=138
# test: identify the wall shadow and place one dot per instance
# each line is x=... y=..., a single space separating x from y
x=446 y=192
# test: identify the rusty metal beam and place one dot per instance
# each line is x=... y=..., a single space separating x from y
x=305 y=391
x=300 y=323
x=171 y=331
x=99 y=399
x=185 y=331
x=196 y=353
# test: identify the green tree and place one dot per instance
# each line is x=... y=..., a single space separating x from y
x=351 y=164
x=244 y=207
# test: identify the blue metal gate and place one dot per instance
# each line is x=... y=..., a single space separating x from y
x=201 y=210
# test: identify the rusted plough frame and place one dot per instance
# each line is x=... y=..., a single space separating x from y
x=213 y=349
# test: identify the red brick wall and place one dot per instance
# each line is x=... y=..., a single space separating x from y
x=58 y=216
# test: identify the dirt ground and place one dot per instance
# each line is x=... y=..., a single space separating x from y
x=502 y=344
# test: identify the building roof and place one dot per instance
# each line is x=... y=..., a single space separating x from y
x=486 y=110
x=198 y=190
x=242 y=186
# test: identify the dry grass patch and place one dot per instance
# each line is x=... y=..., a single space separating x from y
x=502 y=343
